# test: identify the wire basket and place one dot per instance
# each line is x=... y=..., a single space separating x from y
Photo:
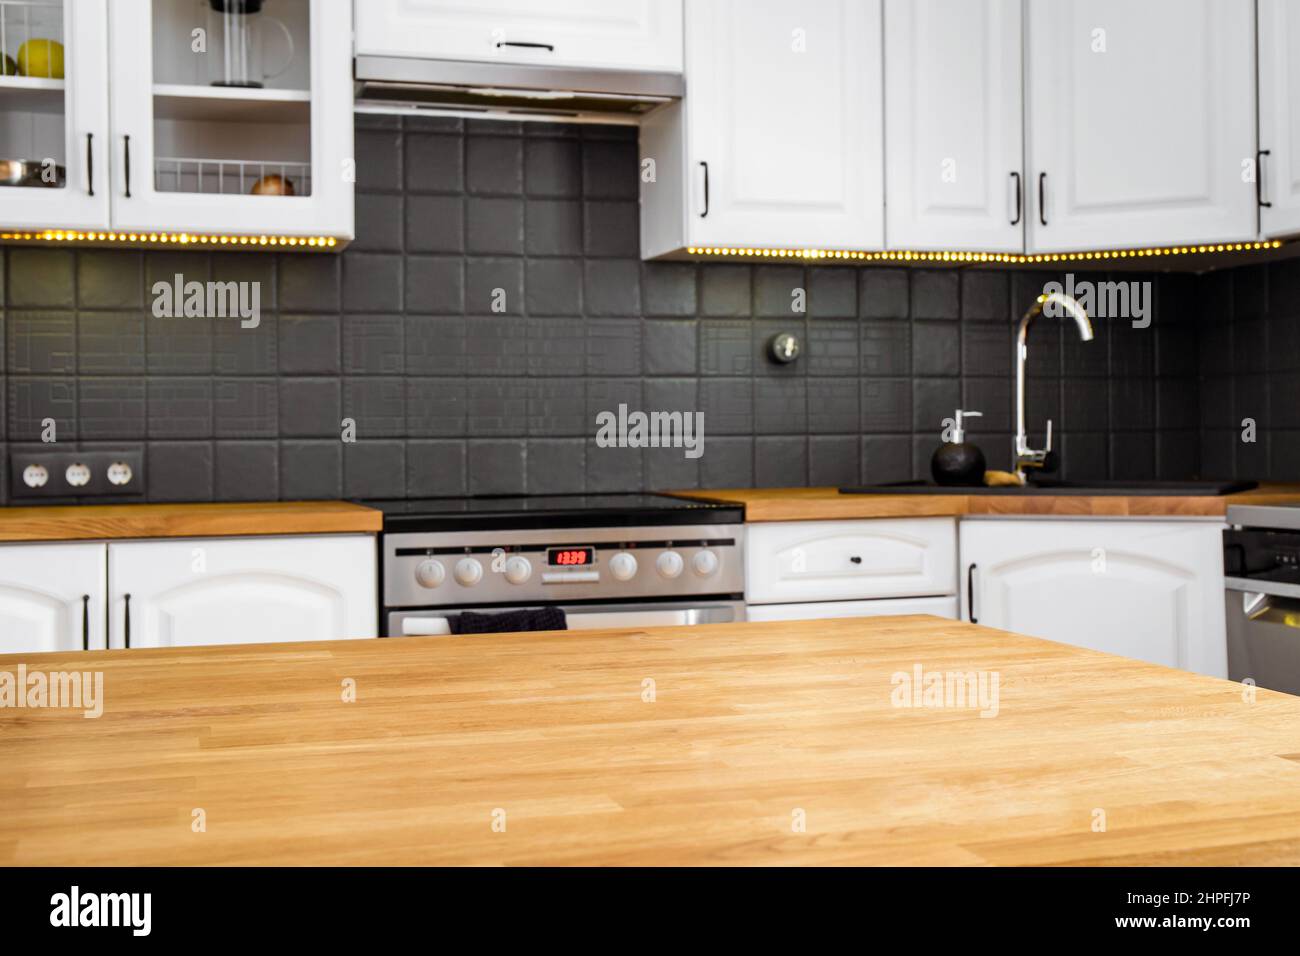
x=231 y=177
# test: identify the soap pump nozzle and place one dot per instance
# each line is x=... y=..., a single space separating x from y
x=959 y=433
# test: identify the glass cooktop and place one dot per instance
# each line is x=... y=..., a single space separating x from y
x=550 y=511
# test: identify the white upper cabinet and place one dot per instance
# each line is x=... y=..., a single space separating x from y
x=605 y=34
x=1144 y=589
x=54 y=114
x=953 y=125
x=1279 y=117
x=243 y=127
x=778 y=141
x=1141 y=116
x=51 y=597
x=241 y=590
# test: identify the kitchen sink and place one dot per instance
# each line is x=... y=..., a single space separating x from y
x=1182 y=489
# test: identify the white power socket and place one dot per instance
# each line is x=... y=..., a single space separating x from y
x=77 y=475
x=35 y=476
x=120 y=473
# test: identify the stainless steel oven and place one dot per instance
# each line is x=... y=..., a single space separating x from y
x=1261 y=563
x=605 y=560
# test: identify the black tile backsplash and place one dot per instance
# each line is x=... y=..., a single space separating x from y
x=493 y=303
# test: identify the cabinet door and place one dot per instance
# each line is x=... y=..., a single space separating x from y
x=241 y=590
x=1279 y=117
x=784 y=124
x=619 y=34
x=54 y=114
x=1140 y=118
x=196 y=151
x=953 y=125
x=798 y=561
x=945 y=607
x=51 y=597
x=1149 y=590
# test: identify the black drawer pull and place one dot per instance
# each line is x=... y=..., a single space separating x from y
x=127 y=623
x=85 y=622
x=855 y=559
x=532 y=46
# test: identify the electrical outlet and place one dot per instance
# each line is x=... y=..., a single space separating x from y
x=75 y=474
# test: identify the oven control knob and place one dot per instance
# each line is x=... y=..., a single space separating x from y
x=704 y=563
x=518 y=569
x=468 y=572
x=669 y=564
x=623 y=566
x=430 y=573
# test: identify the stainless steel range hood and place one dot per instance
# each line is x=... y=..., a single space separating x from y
x=519 y=91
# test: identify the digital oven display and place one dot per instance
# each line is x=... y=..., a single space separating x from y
x=570 y=557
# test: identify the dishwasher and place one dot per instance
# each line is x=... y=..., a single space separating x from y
x=1261 y=566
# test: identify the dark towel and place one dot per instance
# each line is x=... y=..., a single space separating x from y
x=537 y=619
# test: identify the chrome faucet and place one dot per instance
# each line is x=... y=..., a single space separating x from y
x=1027 y=457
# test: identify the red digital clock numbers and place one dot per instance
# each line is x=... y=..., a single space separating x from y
x=570 y=557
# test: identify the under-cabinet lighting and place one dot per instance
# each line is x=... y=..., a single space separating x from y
x=167 y=238
x=1015 y=258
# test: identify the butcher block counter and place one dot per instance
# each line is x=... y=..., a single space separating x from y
x=113 y=522
x=827 y=504
x=777 y=743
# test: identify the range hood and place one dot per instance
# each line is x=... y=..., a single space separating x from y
x=519 y=90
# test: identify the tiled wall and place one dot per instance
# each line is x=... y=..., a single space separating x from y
x=450 y=396
x=1250 y=369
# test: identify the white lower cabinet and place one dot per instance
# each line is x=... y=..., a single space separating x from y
x=241 y=590
x=817 y=610
x=802 y=561
x=1151 y=590
x=51 y=597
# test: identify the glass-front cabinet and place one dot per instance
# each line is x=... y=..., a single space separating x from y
x=54 y=114
x=230 y=118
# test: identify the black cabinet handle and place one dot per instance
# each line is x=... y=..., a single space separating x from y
x=535 y=46
x=85 y=622
x=1042 y=201
x=126 y=165
x=90 y=163
x=1259 y=177
x=706 y=189
x=970 y=595
x=856 y=559
x=127 y=623
x=1019 y=198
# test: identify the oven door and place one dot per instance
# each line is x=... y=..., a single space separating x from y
x=409 y=623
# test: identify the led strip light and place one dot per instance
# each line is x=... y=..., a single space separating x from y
x=169 y=238
x=911 y=255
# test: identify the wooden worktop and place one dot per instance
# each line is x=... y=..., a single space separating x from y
x=100 y=522
x=752 y=727
x=827 y=504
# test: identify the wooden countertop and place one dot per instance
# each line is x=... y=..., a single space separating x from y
x=827 y=504
x=753 y=727
x=99 y=522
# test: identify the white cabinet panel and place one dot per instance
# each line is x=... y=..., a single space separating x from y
x=51 y=597
x=1144 y=589
x=778 y=141
x=938 y=606
x=953 y=125
x=799 y=561
x=186 y=155
x=619 y=34
x=60 y=118
x=1279 y=116
x=242 y=590
x=1140 y=117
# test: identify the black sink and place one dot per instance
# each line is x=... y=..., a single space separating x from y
x=1182 y=489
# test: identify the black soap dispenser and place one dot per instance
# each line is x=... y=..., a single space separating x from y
x=956 y=462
